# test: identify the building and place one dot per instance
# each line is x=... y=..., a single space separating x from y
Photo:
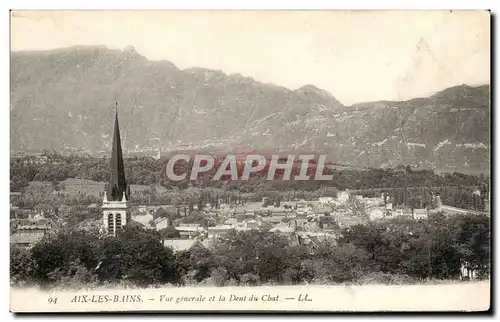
x=190 y=230
x=273 y=219
x=389 y=210
x=245 y=216
x=326 y=200
x=182 y=245
x=219 y=231
x=246 y=225
x=26 y=239
x=376 y=213
x=299 y=223
x=144 y=219
x=32 y=224
x=397 y=213
x=282 y=229
x=115 y=205
x=420 y=214
x=313 y=240
x=26 y=233
x=162 y=223
x=152 y=208
x=231 y=221
x=302 y=207
x=75 y=187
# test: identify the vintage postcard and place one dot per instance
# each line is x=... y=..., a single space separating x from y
x=250 y=161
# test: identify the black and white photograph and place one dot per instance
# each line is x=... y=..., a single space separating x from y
x=232 y=160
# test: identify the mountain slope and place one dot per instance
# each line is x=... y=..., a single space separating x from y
x=63 y=99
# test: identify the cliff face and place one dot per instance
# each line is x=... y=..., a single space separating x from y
x=63 y=99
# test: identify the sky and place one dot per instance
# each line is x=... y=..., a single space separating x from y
x=357 y=56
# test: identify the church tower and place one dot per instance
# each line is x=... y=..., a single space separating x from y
x=116 y=196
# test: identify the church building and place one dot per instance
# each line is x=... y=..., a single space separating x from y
x=115 y=206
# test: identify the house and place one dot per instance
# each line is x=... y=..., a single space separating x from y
x=407 y=213
x=343 y=196
x=420 y=214
x=246 y=225
x=348 y=221
x=398 y=212
x=190 y=225
x=27 y=232
x=26 y=239
x=22 y=213
x=376 y=213
x=313 y=240
x=328 y=222
x=151 y=208
x=32 y=224
x=282 y=228
x=300 y=223
x=312 y=226
x=208 y=243
x=161 y=223
x=326 y=200
x=144 y=219
x=231 y=222
x=219 y=231
x=210 y=214
x=190 y=230
x=248 y=207
x=180 y=245
x=373 y=202
x=242 y=225
x=466 y=271
x=273 y=219
x=302 y=207
x=75 y=187
x=245 y=216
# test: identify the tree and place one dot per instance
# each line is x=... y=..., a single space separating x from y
x=169 y=233
x=473 y=240
x=160 y=213
x=356 y=207
x=277 y=201
x=137 y=256
x=196 y=264
x=52 y=257
x=21 y=266
x=258 y=252
x=414 y=203
x=343 y=263
x=195 y=217
x=191 y=196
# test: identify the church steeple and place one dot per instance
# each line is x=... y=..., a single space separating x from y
x=117 y=186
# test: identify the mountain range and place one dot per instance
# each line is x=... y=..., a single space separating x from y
x=64 y=100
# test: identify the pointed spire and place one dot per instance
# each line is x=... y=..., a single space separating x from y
x=124 y=198
x=105 y=199
x=117 y=183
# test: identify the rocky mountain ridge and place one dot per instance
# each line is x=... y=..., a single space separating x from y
x=63 y=100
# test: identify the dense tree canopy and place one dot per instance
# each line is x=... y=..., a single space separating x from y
x=395 y=250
